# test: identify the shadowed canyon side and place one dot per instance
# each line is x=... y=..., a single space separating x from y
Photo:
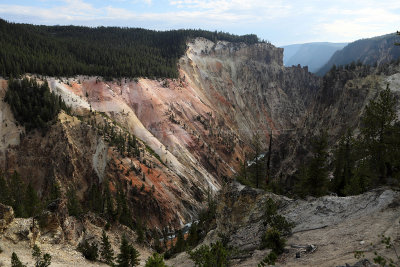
x=249 y=85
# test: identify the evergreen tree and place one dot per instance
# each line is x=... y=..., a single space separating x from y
x=4 y=190
x=33 y=105
x=15 y=262
x=73 y=205
x=32 y=202
x=314 y=177
x=40 y=261
x=140 y=232
x=180 y=242
x=17 y=194
x=273 y=240
x=128 y=256
x=123 y=211
x=193 y=237
x=378 y=126
x=55 y=191
x=96 y=202
x=344 y=164
x=108 y=202
x=156 y=260
x=209 y=256
x=106 y=252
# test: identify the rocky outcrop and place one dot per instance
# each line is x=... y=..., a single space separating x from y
x=326 y=233
x=241 y=215
x=6 y=216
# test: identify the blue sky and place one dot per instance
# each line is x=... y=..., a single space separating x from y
x=280 y=21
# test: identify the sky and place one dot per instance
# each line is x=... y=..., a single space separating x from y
x=281 y=22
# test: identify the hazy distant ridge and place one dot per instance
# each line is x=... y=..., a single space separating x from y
x=313 y=55
x=369 y=51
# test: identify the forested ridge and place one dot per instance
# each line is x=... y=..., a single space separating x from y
x=111 y=52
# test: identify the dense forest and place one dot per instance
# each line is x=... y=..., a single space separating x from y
x=111 y=52
x=32 y=104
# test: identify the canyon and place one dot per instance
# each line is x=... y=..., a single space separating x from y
x=192 y=134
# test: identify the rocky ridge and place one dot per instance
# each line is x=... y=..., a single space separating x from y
x=334 y=226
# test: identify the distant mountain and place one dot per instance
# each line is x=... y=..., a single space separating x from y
x=313 y=55
x=378 y=50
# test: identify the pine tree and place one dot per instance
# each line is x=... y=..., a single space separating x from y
x=4 y=191
x=139 y=232
x=193 y=237
x=156 y=260
x=40 y=261
x=95 y=198
x=106 y=252
x=314 y=180
x=15 y=262
x=74 y=207
x=344 y=163
x=134 y=257
x=32 y=202
x=128 y=256
x=17 y=195
x=123 y=212
x=180 y=242
x=378 y=124
x=108 y=202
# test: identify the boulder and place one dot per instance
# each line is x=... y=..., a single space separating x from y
x=19 y=230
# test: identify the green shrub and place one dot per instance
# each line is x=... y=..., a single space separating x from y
x=215 y=256
x=268 y=260
x=275 y=220
x=89 y=251
x=273 y=239
x=156 y=260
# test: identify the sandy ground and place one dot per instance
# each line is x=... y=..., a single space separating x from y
x=62 y=255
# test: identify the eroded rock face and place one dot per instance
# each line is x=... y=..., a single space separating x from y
x=332 y=227
x=6 y=216
x=19 y=230
x=249 y=86
x=199 y=126
x=241 y=215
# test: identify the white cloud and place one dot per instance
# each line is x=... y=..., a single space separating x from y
x=352 y=24
x=282 y=21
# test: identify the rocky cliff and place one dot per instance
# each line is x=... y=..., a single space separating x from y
x=192 y=131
